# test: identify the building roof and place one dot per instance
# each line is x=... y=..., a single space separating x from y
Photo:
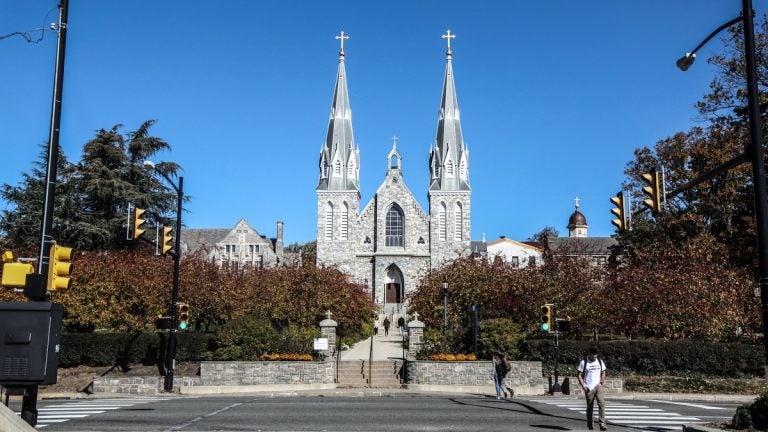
x=194 y=239
x=586 y=246
x=577 y=218
x=524 y=245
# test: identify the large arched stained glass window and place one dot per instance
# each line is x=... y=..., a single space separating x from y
x=395 y=226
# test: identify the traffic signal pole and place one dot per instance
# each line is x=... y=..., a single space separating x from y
x=170 y=363
x=29 y=399
x=46 y=230
x=757 y=152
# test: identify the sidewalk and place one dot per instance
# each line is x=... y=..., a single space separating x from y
x=384 y=348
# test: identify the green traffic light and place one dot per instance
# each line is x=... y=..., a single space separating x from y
x=544 y=326
x=183 y=325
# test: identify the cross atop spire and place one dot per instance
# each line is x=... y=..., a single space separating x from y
x=341 y=38
x=328 y=314
x=394 y=140
x=448 y=36
x=577 y=202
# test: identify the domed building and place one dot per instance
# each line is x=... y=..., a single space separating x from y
x=577 y=223
x=578 y=244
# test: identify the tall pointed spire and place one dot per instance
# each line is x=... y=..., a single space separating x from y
x=340 y=158
x=449 y=159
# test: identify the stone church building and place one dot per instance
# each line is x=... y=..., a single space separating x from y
x=392 y=242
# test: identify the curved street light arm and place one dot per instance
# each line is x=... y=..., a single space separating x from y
x=718 y=30
x=684 y=62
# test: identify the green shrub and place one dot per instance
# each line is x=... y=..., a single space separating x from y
x=244 y=338
x=110 y=349
x=686 y=357
x=759 y=412
x=742 y=419
x=498 y=335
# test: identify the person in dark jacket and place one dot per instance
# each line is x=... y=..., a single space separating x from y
x=386 y=326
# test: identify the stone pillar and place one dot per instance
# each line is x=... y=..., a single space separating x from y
x=328 y=330
x=415 y=336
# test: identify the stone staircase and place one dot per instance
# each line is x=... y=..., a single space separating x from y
x=383 y=374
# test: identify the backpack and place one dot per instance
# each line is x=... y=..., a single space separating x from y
x=505 y=367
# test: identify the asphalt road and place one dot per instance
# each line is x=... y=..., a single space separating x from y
x=403 y=412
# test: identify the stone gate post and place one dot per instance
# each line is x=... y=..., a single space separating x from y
x=328 y=331
x=415 y=336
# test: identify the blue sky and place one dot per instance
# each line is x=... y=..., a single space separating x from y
x=555 y=96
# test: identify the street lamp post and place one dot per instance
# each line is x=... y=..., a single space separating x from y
x=755 y=150
x=445 y=310
x=170 y=362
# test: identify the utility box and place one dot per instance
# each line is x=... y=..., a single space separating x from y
x=30 y=338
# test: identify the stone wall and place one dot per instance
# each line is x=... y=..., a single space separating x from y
x=265 y=372
x=229 y=377
x=474 y=377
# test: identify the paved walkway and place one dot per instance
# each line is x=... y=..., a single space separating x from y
x=384 y=347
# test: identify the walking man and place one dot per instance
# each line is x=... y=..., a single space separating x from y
x=386 y=326
x=591 y=378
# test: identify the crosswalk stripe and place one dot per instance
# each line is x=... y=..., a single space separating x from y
x=62 y=412
x=706 y=407
x=625 y=414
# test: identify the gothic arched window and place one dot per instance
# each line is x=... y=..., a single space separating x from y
x=458 y=222
x=395 y=226
x=344 y=221
x=328 y=221
x=441 y=222
x=337 y=167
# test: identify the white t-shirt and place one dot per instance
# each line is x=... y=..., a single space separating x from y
x=592 y=373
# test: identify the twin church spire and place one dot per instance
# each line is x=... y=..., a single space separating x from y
x=340 y=157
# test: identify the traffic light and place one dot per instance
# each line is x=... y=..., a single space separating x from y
x=167 y=239
x=183 y=315
x=59 y=268
x=547 y=318
x=653 y=190
x=621 y=217
x=138 y=222
x=15 y=273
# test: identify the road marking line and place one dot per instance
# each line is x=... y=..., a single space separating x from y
x=706 y=407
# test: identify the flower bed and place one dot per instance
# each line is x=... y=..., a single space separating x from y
x=453 y=357
x=286 y=357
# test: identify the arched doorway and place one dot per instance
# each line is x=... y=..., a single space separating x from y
x=393 y=286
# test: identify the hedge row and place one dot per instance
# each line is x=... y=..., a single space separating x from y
x=653 y=357
x=109 y=349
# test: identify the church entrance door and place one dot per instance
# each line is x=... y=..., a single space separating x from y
x=393 y=293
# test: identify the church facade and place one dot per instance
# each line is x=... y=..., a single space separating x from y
x=393 y=242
